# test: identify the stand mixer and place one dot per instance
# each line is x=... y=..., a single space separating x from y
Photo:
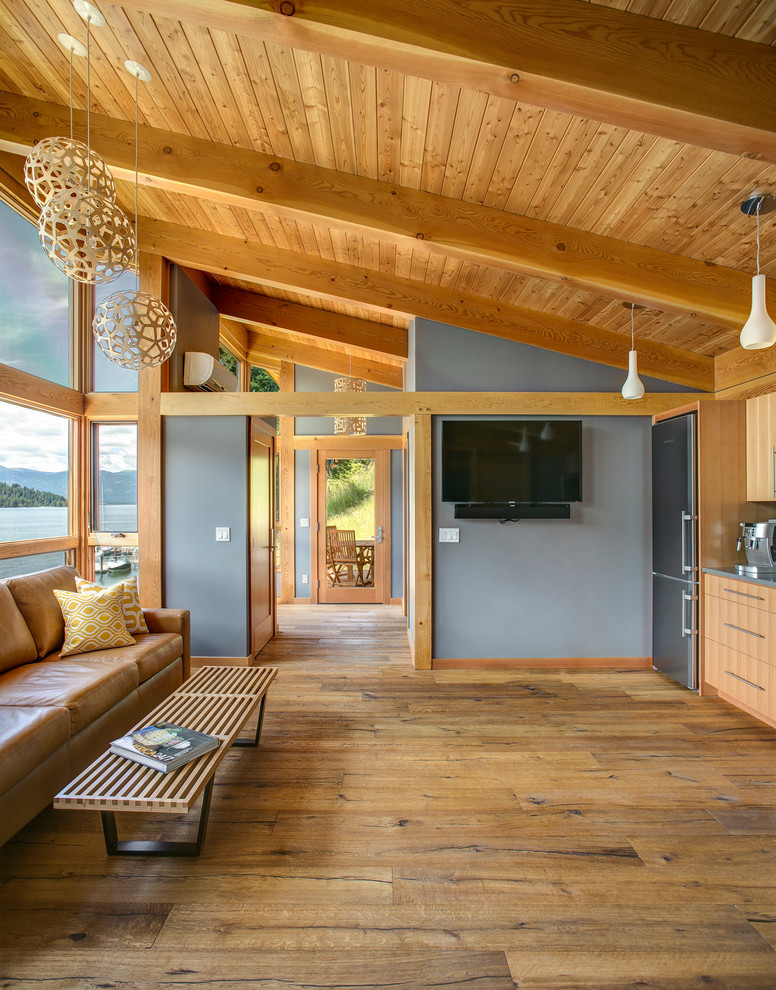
x=759 y=542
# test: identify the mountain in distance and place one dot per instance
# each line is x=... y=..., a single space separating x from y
x=118 y=487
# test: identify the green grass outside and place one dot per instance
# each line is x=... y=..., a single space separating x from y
x=350 y=497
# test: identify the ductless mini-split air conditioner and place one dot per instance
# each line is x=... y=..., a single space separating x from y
x=202 y=373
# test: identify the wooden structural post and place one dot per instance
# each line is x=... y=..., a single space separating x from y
x=154 y=279
x=287 y=484
x=423 y=542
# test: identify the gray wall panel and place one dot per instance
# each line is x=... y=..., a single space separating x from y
x=448 y=358
x=544 y=588
x=206 y=485
x=302 y=535
x=197 y=321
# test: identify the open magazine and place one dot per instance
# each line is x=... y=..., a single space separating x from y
x=164 y=746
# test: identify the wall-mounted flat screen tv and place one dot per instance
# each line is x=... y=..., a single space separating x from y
x=511 y=461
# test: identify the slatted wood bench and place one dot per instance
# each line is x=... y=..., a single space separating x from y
x=215 y=700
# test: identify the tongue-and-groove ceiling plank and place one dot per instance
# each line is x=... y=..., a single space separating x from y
x=457 y=229
x=254 y=262
x=669 y=79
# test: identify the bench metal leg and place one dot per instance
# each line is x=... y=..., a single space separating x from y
x=259 y=723
x=134 y=847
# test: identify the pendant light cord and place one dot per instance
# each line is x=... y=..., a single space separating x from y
x=633 y=343
x=71 y=92
x=137 y=236
x=88 y=106
x=759 y=204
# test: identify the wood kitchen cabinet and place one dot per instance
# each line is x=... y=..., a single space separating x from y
x=761 y=448
x=740 y=644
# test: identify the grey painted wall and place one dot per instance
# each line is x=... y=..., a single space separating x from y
x=449 y=358
x=312 y=380
x=205 y=486
x=397 y=523
x=197 y=321
x=544 y=588
x=303 y=536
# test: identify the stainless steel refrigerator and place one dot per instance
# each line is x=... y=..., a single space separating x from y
x=675 y=550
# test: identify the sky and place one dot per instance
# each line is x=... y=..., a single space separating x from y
x=39 y=441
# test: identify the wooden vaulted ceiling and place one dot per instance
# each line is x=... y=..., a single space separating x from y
x=520 y=168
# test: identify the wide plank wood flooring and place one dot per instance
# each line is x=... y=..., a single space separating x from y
x=429 y=829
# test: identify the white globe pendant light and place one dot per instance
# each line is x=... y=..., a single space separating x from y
x=759 y=331
x=633 y=387
x=133 y=328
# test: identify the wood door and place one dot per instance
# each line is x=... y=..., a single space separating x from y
x=262 y=516
x=351 y=496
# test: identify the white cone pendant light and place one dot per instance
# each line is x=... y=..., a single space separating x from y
x=633 y=387
x=759 y=331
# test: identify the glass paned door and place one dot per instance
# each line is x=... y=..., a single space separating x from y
x=352 y=533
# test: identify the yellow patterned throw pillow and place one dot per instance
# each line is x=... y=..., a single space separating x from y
x=133 y=613
x=93 y=621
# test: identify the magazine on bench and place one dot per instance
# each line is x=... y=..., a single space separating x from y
x=164 y=746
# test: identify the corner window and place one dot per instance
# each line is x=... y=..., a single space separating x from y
x=114 y=495
x=108 y=376
x=34 y=303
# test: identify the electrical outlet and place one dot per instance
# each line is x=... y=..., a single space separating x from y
x=448 y=535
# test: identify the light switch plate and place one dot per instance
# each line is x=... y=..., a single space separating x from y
x=223 y=534
x=448 y=535
x=304 y=523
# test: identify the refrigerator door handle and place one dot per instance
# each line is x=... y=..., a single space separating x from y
x=692 y=631
x=693 y=566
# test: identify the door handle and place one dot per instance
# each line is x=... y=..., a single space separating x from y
x=688 y=517
x=379 y=534
x=691 y=631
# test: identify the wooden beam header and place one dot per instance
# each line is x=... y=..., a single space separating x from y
x=420 y=403
x=424 y=222
x=256 y=262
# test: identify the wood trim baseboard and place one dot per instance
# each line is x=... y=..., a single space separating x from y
x=396 y=601
x=303 y=601
x=559 y=663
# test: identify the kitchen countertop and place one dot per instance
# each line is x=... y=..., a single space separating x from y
x=767 y=580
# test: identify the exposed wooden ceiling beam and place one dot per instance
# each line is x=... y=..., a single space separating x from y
x=419 y=403
x=742 y=367
x=255 y=262
x=375 y=338
x=426 y=222
x=263 y=345
x=606 y=64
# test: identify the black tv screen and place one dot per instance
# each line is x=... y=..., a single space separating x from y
x=511 y=461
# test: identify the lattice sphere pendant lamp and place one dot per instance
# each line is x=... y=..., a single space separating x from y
x=759 y=331
x=133 y=328
x=59 y=164
x=86 y=236
x=352 y=426
x=82 y=231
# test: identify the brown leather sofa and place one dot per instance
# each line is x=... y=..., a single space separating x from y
x=58 y=714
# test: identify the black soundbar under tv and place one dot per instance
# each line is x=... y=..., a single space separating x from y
x=503 y=510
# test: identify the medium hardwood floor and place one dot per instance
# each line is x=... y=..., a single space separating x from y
x=403 y=829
